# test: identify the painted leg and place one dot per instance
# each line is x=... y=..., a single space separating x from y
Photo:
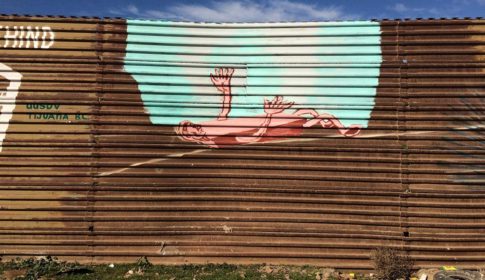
x=328 y=121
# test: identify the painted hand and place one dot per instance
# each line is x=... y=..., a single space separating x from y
x=222 y=79
x=277 y=105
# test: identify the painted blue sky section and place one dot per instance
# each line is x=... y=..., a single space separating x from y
x=346 y=88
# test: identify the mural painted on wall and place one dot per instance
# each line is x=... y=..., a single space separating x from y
x=19 y=37
x=117 y=132
x=243 y=90
x=277 y=121
x=7 y=98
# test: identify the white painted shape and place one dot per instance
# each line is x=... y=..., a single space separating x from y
x=6 y=109
x=21 y=35
x=8 y=35
x=44 y=45
x=34 y=36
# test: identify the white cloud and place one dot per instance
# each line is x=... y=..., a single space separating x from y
x=132 y=9
x=469 y=2
x=402 y=9
x=240 y=11
x=451 y=8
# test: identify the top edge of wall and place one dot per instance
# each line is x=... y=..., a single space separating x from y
x=310 y=22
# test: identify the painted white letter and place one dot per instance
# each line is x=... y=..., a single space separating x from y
x=46 y=29
x=8 y=35
x=34 y=36
x=21 y=35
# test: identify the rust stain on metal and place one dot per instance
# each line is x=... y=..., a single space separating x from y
x=285 y=143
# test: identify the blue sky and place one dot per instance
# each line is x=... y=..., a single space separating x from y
x=248 y=10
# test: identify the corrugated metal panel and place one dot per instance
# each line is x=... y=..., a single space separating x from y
x=127 y=138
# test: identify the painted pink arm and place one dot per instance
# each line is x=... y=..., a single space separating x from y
x=221 y=79
x=275 y=106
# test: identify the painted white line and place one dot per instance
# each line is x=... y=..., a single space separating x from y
x=169 y=156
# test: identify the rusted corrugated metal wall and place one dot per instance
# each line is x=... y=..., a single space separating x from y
x=295 y=143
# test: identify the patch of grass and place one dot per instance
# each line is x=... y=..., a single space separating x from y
x=52 y=269
x=35 y=268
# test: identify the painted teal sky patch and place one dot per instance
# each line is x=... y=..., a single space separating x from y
x=338 y=72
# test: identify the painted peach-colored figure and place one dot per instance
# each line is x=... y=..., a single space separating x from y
x=222 y=81
x=275 y=124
